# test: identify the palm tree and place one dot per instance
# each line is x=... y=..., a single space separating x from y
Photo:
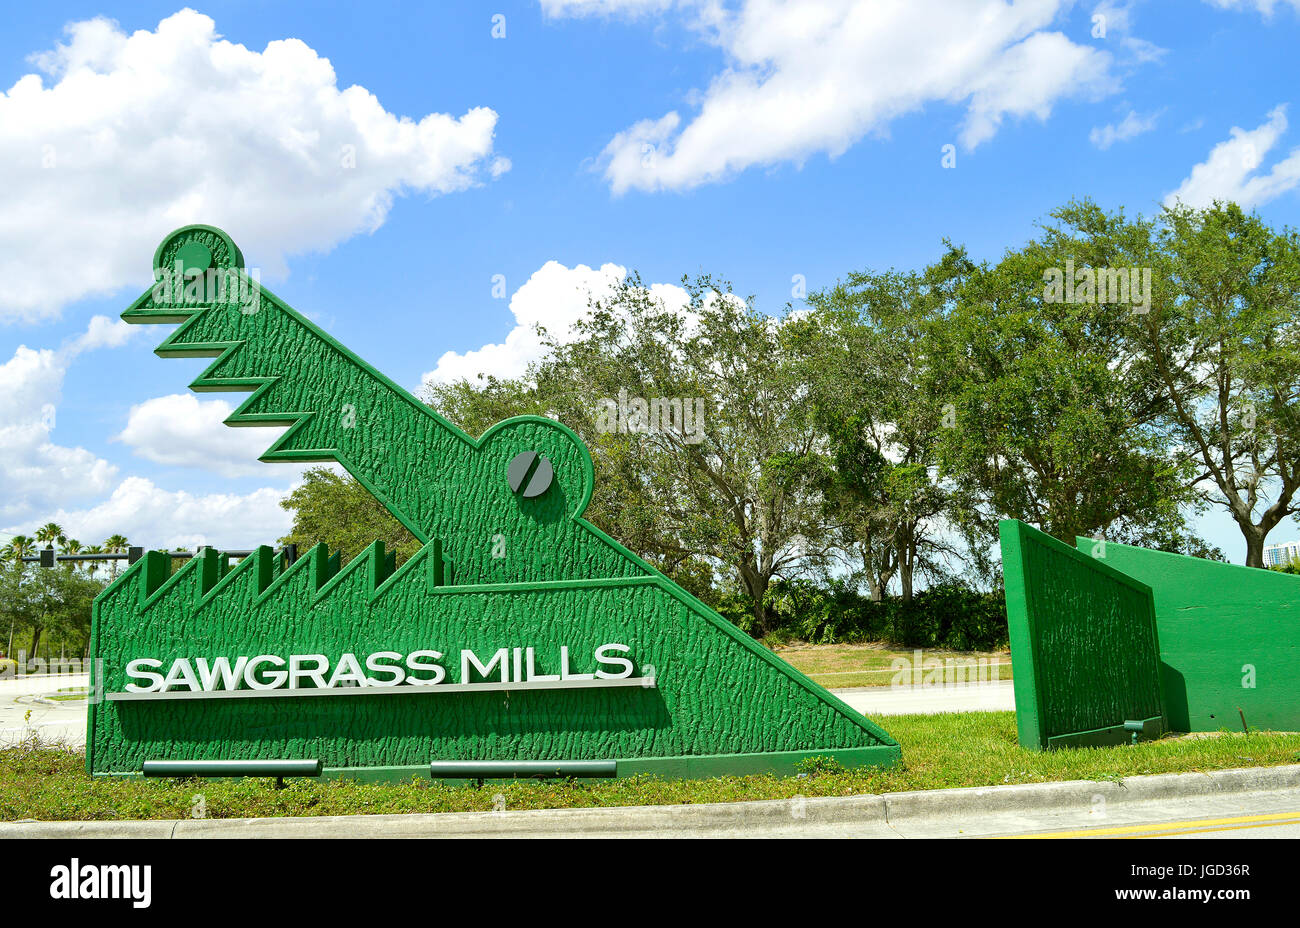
x=20 y=546
x=69 y=546
x=50 y=533
x=116 y=544
x=92 y=566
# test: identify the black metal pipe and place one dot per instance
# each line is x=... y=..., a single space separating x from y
x=42 y=559
x=232 y=768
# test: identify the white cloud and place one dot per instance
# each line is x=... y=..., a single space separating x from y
x=1233 y=169
x=1266 y=7
x=577 y=8
x=1027 y=79
x=554 y=297
x=37 y=473
x=1113 y=19
x=182 y=431
x=156 y=518
x=1129 y=127
x=127 y=137
x=1114 y=16
x=810 y=76
x=44 y=481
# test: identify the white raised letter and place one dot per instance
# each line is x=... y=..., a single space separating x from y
x=220 y=667
x=181 y=673
x=613 y=662
x=136 y=669
x=316 y=674
x=399 y=674
x=276 y=677
x=502 y=657
x=439 y=672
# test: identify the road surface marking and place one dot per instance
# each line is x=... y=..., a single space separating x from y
x=1164 y=828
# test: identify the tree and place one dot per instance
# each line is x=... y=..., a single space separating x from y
x=41 y=600
x=1055 y=421
x=1225 y=348
x=92 y=567
x=115 y=544
x=337 y=510
x=705 y=429
x=862 y=346
x=700 y=430
x=1290 y=567
x=16 y=603
x=50 y=534
x=69 y=546
x=20 y=546
x=45 y=602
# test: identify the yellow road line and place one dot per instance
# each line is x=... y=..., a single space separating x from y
x=1193 y=831
x=1204 y=824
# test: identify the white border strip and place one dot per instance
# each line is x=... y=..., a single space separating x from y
x=409 y=689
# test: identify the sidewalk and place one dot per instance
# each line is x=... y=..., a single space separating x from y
x=985 y=811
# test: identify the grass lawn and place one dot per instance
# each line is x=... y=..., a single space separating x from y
x=959 y=749
x=835 y=666
x=69 y=693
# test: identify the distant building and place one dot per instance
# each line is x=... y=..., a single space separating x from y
x=1283 y=553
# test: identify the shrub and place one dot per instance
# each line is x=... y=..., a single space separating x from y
x=947 y=615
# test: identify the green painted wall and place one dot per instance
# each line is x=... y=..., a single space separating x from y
x=1229 y=637
x=498 y=570
x=1083 y=644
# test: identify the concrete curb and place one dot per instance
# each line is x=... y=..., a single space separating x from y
x=737 y=817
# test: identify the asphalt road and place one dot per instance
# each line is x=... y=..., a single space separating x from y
x=1283 y=824
x=26 y=709
x=992 y=696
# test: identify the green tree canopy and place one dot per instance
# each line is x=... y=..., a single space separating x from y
x=1223 y=347
x=1055 y=421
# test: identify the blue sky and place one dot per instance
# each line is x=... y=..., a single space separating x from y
x=808 y=140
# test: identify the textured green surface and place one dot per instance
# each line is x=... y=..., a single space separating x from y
x=496 y=570
x=1229 y=638
x=1084 y=651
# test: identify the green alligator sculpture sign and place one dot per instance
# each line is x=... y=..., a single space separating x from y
x=518 y=633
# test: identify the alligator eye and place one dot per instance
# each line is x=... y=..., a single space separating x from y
x=530 y=474
x=194 y=256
